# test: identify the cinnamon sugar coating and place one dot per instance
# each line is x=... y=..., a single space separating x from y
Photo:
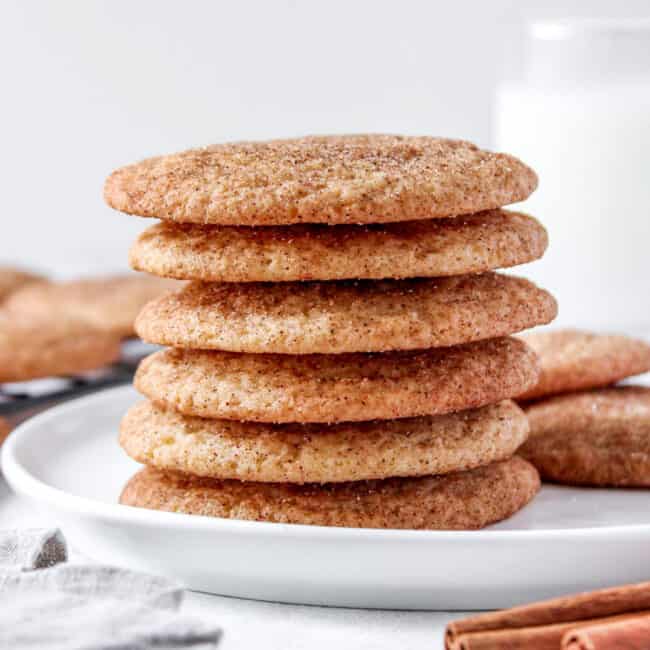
x=463 y=500
x=337 y=388
x=317 y=453
x=320 y=179
x=337 y=317
x=428 y=248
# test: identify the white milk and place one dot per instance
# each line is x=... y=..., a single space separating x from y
x=582 y=121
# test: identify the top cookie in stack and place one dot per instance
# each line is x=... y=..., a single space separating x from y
x=307 y=258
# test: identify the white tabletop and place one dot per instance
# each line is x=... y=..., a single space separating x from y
x=272 y=626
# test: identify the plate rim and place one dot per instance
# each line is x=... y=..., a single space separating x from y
x=25 y=483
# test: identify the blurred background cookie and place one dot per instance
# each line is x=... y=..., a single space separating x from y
x=13 y=278
x=599 y=437
x=573 y=360
x=5 y=429
x=109 y=304
x=32 y=347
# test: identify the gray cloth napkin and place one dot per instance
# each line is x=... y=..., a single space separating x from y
x=87 y=607
x=31 y=548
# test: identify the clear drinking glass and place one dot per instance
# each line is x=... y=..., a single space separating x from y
x=581 y=119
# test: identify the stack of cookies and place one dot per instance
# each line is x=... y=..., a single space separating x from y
x=342 y=355
x=584 y=430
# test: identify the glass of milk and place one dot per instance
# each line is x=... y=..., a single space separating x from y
x=581 y=119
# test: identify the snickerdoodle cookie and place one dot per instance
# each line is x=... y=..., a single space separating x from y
x=109 y=304
x=573 y=360
x=5 y=429
x=599 y=437
x=462 y=500
x=337 y=388
x=12 y=279
x=317 y=453
x=347 y=316
x=36 y=347
x=321 y=179
x=427 y=248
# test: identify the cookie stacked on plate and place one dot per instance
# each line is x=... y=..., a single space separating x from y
x=341 y=355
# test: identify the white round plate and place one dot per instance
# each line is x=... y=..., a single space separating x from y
x=567 y=540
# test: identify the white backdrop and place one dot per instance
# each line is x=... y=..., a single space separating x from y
x=89 y=85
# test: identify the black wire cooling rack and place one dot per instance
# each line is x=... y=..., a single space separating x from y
x=21 y=400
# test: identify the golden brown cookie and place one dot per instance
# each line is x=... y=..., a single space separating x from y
x=318 y=453
x=348 y=316
x=34 y=347
x=12 y=279
x=337 y=388
x=5 y=429
x=463 y=500
x=599 y=437
x=573 y=360
x=428 y=248
x=321 y=179
x=109 y=304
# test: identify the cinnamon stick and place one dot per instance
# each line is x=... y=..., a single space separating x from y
x=539 y=637
x=567 y=609
x=542 y=637
x=631 y=633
